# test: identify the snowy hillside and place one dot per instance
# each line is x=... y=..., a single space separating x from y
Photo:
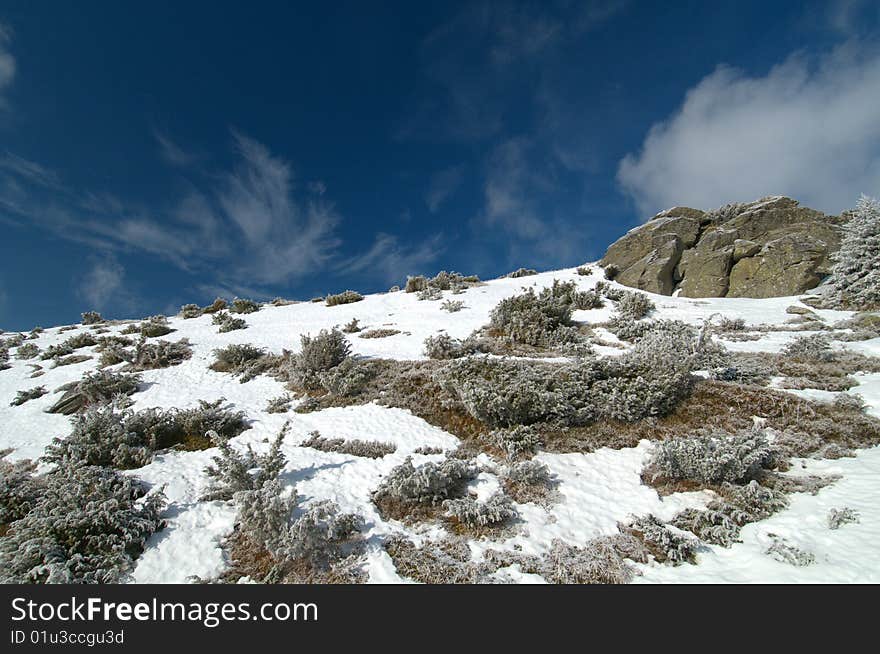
x=594 y=491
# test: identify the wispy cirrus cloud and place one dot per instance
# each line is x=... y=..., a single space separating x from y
x=171 y=152
x=7 y=62
x=442 y=186
x=390 y=260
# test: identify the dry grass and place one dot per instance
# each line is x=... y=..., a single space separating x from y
x=379 y=333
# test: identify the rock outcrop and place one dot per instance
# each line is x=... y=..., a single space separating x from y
x=768 y=248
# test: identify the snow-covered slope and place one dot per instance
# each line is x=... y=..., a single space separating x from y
x=596 y=490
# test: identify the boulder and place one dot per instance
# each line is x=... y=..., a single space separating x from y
x=766 y=248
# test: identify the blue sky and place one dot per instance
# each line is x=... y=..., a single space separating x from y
x=167 y=152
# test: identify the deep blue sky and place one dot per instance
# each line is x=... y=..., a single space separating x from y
x=158 y=153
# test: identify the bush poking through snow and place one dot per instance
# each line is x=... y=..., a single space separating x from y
x=530 y=473
x=279 y=404
x=431 y=483
x=32 y=394
x=784 y=552
x=318 y=354
x=539 y=320
x=227 y=322
x=600 y=561
x=241 y=305
x=664 y=544
x=346 y=297
x=352 y=327
x=88 y=526
x=155 y=326
x=471 y=514
x=19 y=489
x=855 y=279
x=443 y=346
x=237 y=358
x=97 y=387
x=430 y=293
x=217 y=305
x=113 y=436
x=368 y=449
x=810 y=348
x=516 y=441
x=712 y=458
x=452 y=306
x=414 y=284
x=160 y=354
x=27 y=351
x=634 y=306
x=840 y=517
x=521 y=272
x=91 y=318
x=235 y=472
x=189 y=311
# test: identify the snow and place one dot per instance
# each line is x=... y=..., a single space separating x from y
x=596 y=490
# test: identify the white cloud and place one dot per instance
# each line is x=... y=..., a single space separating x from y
x=807 y=129
x=103 y=283
x=390 y=261
x=7 y=61
x=171 y=152
x=443 y=184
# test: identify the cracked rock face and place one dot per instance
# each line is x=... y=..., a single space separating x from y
x=768 y=248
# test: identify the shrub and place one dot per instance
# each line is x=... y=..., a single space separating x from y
x=583 y=271
x=346 y=297
x=227 y=322
x=70 y=360
x=495 y=511
x=319 y=354
x=91 y=318
x=521 y=272
x=368 y=449
x=236 y=358
x=240 y=305
x=19 y=489
x=811 y=348
x=445 y=281
x=112 y=436
x=785 y=552
x=379 y=333
x=154 y=327
x=56 y=351
x=430 y=293
x=443 y=346
x=160 y=354
x=712 y=458
x=32 y=394
x=611 y=272
x=529 y=473
x=83 y=339
x=634 y=306
x=217 y=305
x=663 y=543
x=601 y=561
x=430 y=483
x=839 y=517
x=415 y=284
x=88 y=526
x=279 y=404
x=94 y=388
x=452 y=306
x=347 y=379
x=352 y=327
x=234 y=472
x=27 y=351
x=517 y=441
x=540 y=320
x=727 y=324
x=188 y=311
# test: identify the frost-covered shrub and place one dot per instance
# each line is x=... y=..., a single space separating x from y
x=159 y=354
x=712 y=458
x=379 y=333
x=600 y=561
x=721 y=521
x=812 y=348
x=849 y=402
x=855 y=278
x=346 y=297
x=236 y=358
x=227 y=322
x=540 y=320
x=728 y=324
x=155 y=326
x=241 y=305
x=32 y=394
x=27 y=351
x=430 y=293
x=584 y=271
x=190 y=311
x=351 y=327
x=634 y=306
x=416 y=283
x=234 y=472
x=56 y=351
x=319 y=354
x=452 y=306
x=430 y=483
x=521 y=272
x=516 y=441
x=279 y=404
x=217 y=305
x=91 y=318
x=468 y=512
x=368 y=449
x=664 y=543
x=19 y=489
x=4 y=358
x=530 y=473
x=88 y=526
x=14 y=340
x=611 y=272
x=443 y=346
x=70 y=360
x=446 y=281
x=784 y=552
x=838 y=517
x=110 y=435
x=347 y=379
x=94 y=388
